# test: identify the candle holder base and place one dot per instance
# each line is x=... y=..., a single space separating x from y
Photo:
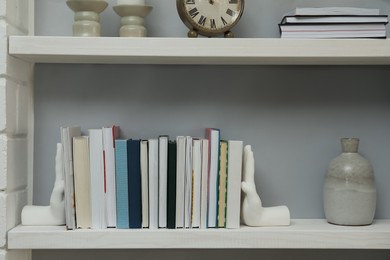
x=87 y=18
x=132 y=19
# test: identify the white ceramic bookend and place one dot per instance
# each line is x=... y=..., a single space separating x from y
x=54 y=214
x=132 y=19
x=87 y=16
x=253 y=213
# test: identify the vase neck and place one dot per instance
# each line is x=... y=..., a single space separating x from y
x=350 y=145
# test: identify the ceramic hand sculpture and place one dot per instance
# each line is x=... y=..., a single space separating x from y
x=54 y=214
x=253 y=213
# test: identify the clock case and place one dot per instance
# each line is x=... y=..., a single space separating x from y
x=195 y=29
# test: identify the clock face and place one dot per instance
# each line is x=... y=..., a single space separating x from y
x=210 y=17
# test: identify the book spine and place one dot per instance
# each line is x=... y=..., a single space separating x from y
x=144 y=183
x=97 y=179
x=82 y=181
x=204 y=183
x=213 y=136
x=153 y=183
x=196 y=179
x=122 y=194
x=188 y=183
x=162 y=181
x=171 y=193
x=67 y=133
x=233 y=204
x=180 y=174
x=222 y=182
x=134 y=173
x=109 y=160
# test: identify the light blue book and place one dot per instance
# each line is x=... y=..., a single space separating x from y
x=122 y=190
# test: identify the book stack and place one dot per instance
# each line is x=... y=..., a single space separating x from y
x=185 y=182
x=333 y=22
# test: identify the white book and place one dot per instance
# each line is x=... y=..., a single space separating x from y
x=333 y=31
x=153 y=183
x=144 y=183
x=331 y=27
x=162 y=180
x=335 y=34
x=335 y=11
x=97 y=179
x=214 y=136
x=196 y=184
x=67 y=134
x=233 y=204
x=188 y=183
x=204 y=183
x=336 y=19
x=82 y=183
x=109 y=135
x=180 y=179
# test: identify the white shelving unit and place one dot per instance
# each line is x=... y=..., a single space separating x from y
x=302 y=234
x=249 y=51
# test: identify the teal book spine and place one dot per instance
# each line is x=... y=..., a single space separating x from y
x=122 y=202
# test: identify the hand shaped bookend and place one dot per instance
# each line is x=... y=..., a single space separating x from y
x=252 y=212
x=54 y=214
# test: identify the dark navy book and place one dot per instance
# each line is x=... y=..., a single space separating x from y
x=134 y=173
x=171 y=195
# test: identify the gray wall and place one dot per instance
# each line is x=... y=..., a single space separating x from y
x=293 y=116
x=260 y=19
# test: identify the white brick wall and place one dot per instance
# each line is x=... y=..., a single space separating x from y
x=3 y=218
x=13 y=163
x=15 y=85
x=11 y=205
x=3 y=94
x=16 y=13
x=14 y=115
x=3 y=46
x=14 y=78
x=3 y=162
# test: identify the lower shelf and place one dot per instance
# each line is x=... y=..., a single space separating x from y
x=302 y=234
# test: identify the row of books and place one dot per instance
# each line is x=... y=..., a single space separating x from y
x=154 y=183
x=333 y=22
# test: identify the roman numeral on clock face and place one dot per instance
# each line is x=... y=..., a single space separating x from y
x=193 y=12
x=191 y=2
x=202 y=20
x=213 y=25
x=223 y=21
x=233 y=1
x=230 y=12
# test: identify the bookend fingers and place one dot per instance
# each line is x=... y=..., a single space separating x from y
x=54 y=214
x=57 y=196
x=252 y=212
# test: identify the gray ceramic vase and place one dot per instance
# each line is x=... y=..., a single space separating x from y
x=349 y=188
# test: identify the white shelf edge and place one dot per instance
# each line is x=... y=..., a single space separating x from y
x=237 y=51
x=301 y=234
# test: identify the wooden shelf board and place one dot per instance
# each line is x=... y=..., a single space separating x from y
x=207 y=51
x=302 y=234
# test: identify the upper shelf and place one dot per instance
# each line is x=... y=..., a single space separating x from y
x=302 y=234
x=240 y=51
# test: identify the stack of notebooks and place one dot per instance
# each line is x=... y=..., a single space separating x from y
x=333 y=22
